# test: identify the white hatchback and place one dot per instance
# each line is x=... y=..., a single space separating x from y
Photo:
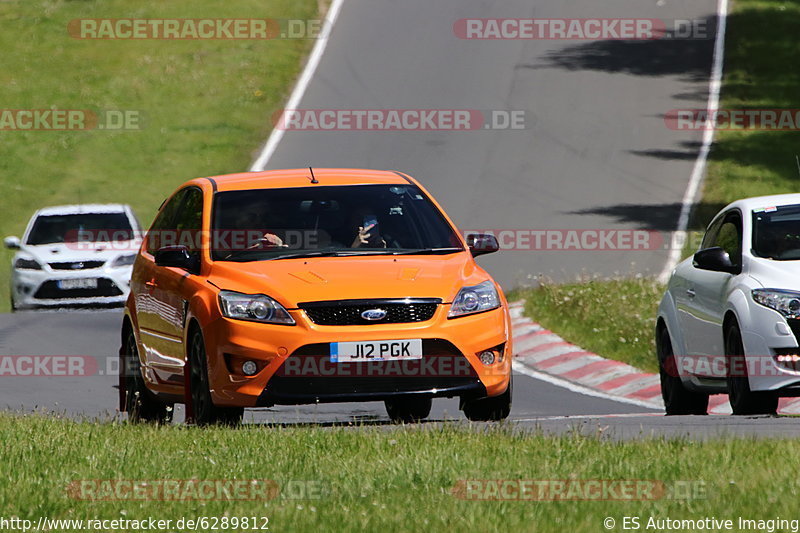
x=76 y=255
x=729 y=321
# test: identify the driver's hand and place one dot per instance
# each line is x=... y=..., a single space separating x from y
x=270 y=240
x=362 y=238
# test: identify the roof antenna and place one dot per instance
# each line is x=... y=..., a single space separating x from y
x=313 y=179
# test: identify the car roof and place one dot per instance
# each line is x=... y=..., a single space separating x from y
x=76 y=209
x=762 y=202
x=301 y=177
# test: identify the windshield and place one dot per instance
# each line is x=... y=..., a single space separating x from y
x=94 y=227
x=776 y=233
x=328 y=220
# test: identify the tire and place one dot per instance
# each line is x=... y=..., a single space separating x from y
x=205 y=412
x=13 y=305
x=140 y=403
x=744 y=401
x=678 y=400
x=408 y=409
x=491 y=409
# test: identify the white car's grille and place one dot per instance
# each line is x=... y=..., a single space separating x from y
x=76 y=265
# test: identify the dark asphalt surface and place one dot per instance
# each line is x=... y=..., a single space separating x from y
x=537 y=405
x=595 y=155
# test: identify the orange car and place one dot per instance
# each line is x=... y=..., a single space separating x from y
x=314 y=285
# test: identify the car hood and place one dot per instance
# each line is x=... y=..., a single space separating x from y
x=291 y=281
x=65 y=252
x=776 y=274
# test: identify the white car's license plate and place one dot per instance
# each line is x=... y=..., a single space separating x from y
x=79 y=283
x=395 y=350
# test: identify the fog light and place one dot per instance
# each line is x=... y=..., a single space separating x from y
x=487 y=357
x=249 y=368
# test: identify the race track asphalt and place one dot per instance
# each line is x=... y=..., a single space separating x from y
x=594 y=154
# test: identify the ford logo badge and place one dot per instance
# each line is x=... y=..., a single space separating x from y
x=373 y=314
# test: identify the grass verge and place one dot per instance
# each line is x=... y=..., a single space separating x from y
x=761 y=41
x=614 y=318
x=206 y=104
x=384 y=480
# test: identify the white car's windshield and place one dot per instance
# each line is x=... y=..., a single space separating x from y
x=776 y=233
x=330 y=220
x=49 y=229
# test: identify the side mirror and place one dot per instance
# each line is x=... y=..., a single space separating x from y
x=714 y=259
x=482 y=243
x=177 y=257
x=12 y=243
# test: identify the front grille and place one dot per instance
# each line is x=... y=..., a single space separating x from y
x=76 y=265
x=308 y=376
x=348 y=312
x=50 y=291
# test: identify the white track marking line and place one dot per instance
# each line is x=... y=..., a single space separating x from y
x=699 y=169
x=302 y=84
x=573 y=387
x=545 y=418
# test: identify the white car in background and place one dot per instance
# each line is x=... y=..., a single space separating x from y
x=729 y=321
x=74 y=255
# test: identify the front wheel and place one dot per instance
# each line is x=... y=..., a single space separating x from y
x=678 y=400
x=142 y=405
x=408 y=409
x=205 y=412
x=743 y=400
x=490 y=409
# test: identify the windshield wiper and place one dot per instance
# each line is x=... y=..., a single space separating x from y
x=301 y=255
x=429 y=251
x=239 y=253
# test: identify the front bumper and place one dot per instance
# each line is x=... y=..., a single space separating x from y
x=32 y=289
x=296 y=368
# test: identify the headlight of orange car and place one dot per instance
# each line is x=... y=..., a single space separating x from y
x=253 y=307
x=475 y=299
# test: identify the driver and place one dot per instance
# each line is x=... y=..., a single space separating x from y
x=368 y=233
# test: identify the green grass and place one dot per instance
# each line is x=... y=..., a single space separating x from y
x=206 y=104
x=384 y=480
x=614 y=318
x=761 y=41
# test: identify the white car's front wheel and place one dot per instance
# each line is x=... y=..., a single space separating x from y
x=678 y=400
x=743 y=400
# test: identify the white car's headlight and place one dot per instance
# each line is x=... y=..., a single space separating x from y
x=23 y=263
x=123 y=260
x=475 y=299
x=253 y=307
x=785 y=302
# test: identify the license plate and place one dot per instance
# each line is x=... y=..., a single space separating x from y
x=79 y=283
x=347 y=352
